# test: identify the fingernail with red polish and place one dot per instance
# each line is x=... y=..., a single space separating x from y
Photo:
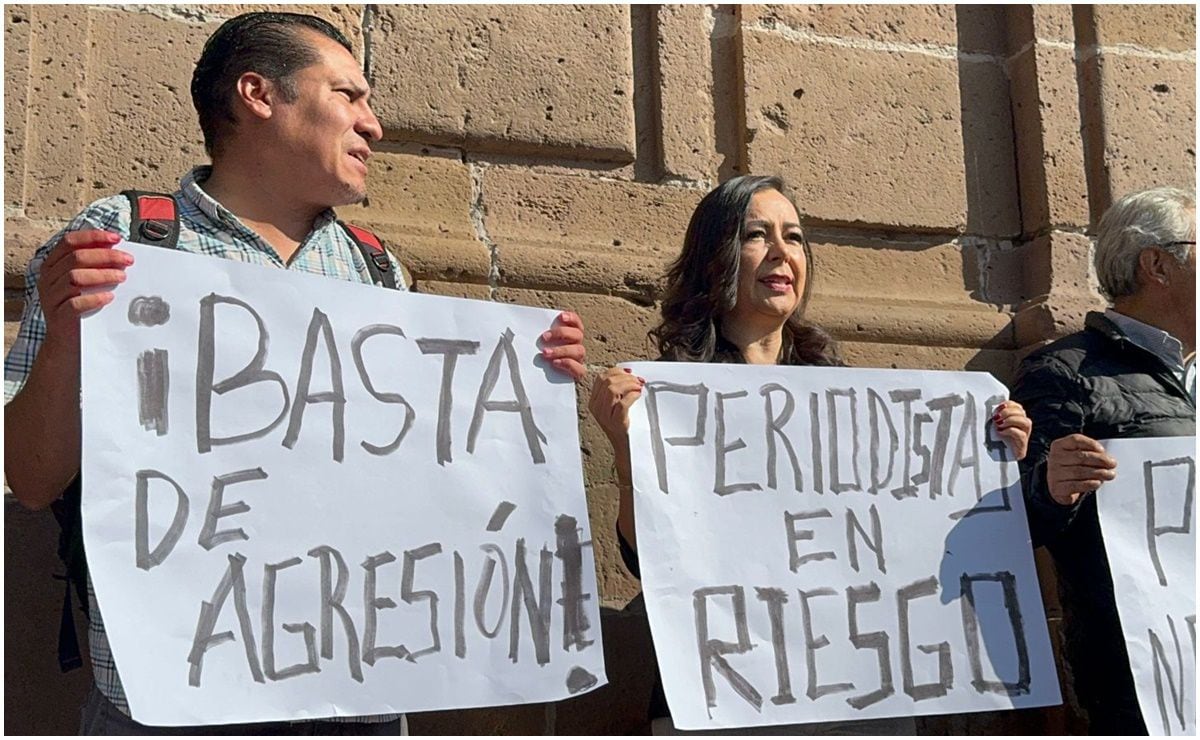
x=627 y=370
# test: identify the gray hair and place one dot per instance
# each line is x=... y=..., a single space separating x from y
x=1147 y=218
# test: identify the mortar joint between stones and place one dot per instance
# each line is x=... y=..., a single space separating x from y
x=478 y=212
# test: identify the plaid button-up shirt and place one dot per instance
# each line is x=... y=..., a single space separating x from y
x=205 y=227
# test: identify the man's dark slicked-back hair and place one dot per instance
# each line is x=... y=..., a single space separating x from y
x=271 y=44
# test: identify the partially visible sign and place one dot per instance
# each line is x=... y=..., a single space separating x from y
x=1148 y=520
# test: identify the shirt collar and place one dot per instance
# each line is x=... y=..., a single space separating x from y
x=190 y=187
x=1150 y=338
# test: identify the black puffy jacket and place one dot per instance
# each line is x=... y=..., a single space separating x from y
x=1098 y=383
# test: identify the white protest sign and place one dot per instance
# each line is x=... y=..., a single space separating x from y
x=827 y=543
x=308 y=498
x=1148 y=520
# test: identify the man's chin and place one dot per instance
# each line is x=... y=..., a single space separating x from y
x=351 y=195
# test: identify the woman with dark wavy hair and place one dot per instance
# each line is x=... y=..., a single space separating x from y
x=737 y=293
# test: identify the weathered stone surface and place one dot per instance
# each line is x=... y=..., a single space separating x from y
x=685 y=67
x=584 y=233
x=989 y=160
x=419 y=203
x=1001 y=272
x=928 y=270
x=346 y=18
x=1149 y=113
x=1027 y=23
x=1046 y=117
x=840 y=122
x=138 y=81
x=911 y=24
x=543 y=76
x=1167 y=27
x=616 y=329
x=16 y=84
x=1061 y=263
x=453 y=290
x=22 y=237
x=1047 y=318
x=981 y=33
x=916 y=357
x=56 y=155
x=926 y=324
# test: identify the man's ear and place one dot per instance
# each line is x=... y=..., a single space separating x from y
x=256 y=94
x=1152 y=267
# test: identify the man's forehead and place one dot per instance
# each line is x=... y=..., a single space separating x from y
x=334 y=57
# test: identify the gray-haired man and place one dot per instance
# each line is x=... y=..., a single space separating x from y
x=1129 y=373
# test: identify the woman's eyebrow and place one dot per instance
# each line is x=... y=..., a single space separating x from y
x=764 y=222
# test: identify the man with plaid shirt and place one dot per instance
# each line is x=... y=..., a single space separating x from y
x=283 y=106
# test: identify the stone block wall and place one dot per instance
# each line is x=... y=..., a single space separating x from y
x=949 y=162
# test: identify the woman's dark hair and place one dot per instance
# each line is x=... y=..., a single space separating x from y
x=271 y=44
x=702 y=285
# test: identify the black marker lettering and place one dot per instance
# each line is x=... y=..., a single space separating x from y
x=795 y=559
x=331 y=600
x=520 y=405
x=484 y=587
x=450 y=350
x=371 y=605
x=713 y=652
x=319 y=326
x=653 y=389
x=249 y=375
x=877 y=641
x=537 y=609
x=970 y=619
x=720 y=487
x=812 y=645
x=270 y=574
x=874 y=541
x=209 y=536
x=906 y=396
x=410 y=596
x=144 y=557
x=570 y=551
x=836 y=484
x=410 y=414
x=1153 y=531
x=775 y=598
x=233 y=581
x=877 y=409
x=154 y=383
x=945 y=682
x=775 y=427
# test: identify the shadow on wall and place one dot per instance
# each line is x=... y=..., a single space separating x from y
x=989 y=156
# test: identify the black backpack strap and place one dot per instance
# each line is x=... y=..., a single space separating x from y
x=154 y=218
x=378 y=264
x=70 y=552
